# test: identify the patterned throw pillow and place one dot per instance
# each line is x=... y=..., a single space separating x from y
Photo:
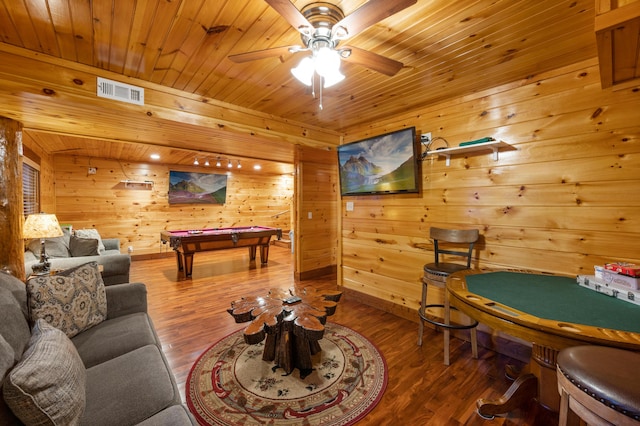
x=91 y=234
x=48 y=384
x=72 y=301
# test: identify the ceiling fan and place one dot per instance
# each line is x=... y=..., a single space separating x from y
x=323 y=27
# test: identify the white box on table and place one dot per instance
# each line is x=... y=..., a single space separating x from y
x=615 y=279
x=593 y=283
x=599 y=272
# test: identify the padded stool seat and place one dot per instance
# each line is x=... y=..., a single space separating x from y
x=599 y=384
x=436 y=274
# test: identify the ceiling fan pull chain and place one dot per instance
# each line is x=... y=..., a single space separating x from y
x=313 y=85
x=320 y=83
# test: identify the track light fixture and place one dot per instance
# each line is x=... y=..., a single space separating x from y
x=231 y=163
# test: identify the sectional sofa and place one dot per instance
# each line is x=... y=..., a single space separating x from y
x=112 y=371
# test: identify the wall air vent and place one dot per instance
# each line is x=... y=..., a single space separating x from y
x=120 y=91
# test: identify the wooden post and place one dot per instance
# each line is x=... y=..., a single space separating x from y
x=11 y=218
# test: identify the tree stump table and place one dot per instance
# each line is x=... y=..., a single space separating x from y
x=292 y=323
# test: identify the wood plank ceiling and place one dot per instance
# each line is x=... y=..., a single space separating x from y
x=448 y=48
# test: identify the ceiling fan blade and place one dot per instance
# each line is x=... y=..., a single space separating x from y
x=262 y=54
x=373 y=61
x=292 y=15
x=368 y=14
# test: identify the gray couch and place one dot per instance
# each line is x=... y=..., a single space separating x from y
x=115 y=266
x=128 y=379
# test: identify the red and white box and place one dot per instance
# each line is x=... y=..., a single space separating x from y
x=624 y=268
x=621 y=281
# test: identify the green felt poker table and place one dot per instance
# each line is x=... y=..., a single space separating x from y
x=553 y=313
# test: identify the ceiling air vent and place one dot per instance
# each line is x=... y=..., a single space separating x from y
x=120 y=91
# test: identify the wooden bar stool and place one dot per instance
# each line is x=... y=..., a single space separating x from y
x=601 y=385
x=436 y=274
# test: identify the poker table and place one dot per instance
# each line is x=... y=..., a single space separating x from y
x=553 y=313
x=187 y=242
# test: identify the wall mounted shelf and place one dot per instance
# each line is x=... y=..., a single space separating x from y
x=494 y=146
x=137 y=184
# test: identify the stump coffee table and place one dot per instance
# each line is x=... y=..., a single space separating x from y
x=293 y=323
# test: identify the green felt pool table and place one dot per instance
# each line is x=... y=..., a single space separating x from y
x=551 y=312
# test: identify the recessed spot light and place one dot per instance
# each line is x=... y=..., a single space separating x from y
x=257 y=167
x=155 y=156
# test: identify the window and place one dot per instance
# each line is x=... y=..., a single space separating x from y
x=30 y=187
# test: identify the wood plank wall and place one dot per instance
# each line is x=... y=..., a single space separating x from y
x=317 y=212
x=136 y=216
x=566 y=198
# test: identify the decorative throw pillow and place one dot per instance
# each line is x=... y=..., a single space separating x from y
x=48 y=384
x=83 y=247
x=72 y=301
x=91 y=234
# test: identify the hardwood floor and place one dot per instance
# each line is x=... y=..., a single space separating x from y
x=190 y=315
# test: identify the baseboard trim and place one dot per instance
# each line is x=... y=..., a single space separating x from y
x=149 y=256
x=317 y=273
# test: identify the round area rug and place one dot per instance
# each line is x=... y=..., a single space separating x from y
x=231 y=385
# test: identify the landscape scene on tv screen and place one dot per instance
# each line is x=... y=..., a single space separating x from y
x=197 y=188
x=379 y=165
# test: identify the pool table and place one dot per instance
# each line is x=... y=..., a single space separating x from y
x=553 y=313
x=187 y=242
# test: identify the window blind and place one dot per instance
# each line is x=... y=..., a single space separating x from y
x=30 y=189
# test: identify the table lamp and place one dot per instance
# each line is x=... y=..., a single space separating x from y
x=41 y=226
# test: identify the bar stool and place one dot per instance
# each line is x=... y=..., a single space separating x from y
x=601 y=385
x=436 y=274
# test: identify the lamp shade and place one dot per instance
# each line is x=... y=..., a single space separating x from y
x=41 y=225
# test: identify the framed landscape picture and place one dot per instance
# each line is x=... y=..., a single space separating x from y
x=197 y=188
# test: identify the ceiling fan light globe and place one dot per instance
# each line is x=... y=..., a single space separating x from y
x=327 y=62
x=304 y=71
x=332 y=79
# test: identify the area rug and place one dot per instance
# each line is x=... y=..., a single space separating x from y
x=231 y=385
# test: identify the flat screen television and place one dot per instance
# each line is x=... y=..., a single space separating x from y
x=384 y=164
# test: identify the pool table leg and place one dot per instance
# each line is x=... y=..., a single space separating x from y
x=264 y=254
x=188 y=264
x=179 y=260
x=252 y=253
